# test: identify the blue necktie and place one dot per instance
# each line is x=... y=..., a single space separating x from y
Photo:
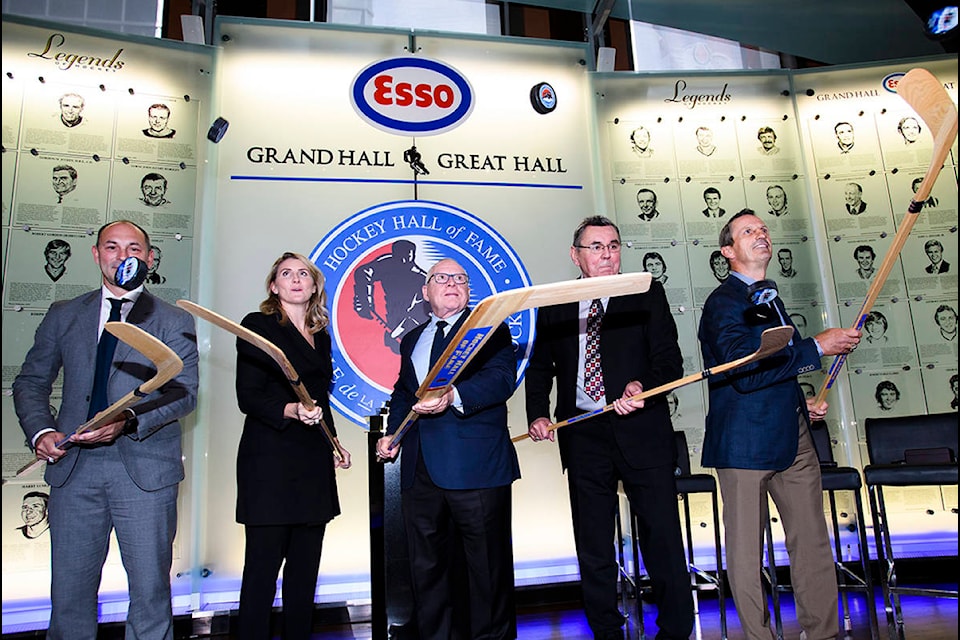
x=439 y=342
x=105 y=349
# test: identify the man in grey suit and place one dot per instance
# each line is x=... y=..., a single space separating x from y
x=125 y=475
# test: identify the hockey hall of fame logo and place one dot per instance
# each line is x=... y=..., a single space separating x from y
x=375 y=264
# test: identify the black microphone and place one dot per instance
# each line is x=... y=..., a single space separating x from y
x=762 y=293
x=131 y=273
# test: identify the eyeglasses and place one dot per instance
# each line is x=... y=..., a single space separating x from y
x=597 y=248
x=444 y=278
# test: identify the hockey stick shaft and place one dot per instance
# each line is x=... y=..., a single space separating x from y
x=771 y=341
x=275 y=353
x=493 y=310
x=926 y=95
x=168 y=366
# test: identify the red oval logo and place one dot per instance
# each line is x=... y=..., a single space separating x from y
x=412 y=96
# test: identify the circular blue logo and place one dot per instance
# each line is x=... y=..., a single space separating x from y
x=375 y=265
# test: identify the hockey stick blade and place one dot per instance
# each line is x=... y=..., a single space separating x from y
x=492 y=310
x=272 y=350
x=771 y=341
x=168 y=366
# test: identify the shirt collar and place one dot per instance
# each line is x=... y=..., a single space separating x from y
x=132 y=296
x=450 y=320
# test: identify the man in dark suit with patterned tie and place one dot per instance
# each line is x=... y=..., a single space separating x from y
x=124 y=476
x=636 y=344
x=456 y=468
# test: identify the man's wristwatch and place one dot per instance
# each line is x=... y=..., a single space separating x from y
x=131 y=424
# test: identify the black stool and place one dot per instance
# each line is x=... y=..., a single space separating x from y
x=700 y=579
x=690 y=483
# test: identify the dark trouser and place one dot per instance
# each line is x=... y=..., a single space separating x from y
x=593 y=473
x=266 y=549
x=480 y=520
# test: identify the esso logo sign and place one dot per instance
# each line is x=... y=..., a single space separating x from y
x=412 y=96
x=891 y=81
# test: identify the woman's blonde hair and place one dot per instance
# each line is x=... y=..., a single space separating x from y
x=317 y=316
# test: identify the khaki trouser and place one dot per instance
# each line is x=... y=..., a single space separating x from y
x=799 y=498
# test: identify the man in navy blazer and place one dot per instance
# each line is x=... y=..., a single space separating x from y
x=456 y=468
x=757 y=436
x=633 y=445
x=125 y=475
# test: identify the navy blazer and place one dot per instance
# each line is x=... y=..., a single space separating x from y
x=67 y=339
x=468 y=448
x=638 y=341
x=753 y=416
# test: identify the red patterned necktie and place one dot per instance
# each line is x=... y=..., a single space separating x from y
x=593 y=374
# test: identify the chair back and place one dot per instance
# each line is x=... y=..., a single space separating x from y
x=921 y=439
x=821 y=442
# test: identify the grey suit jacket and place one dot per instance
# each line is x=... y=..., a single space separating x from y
x=67 y=339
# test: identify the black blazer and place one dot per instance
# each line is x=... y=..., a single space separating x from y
x=285 y=471
x=638 y=341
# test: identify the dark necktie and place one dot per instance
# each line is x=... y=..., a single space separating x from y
x=592 y=372
x=105 y=349
x=439 y=342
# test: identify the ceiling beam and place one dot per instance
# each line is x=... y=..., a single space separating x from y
x=601 y=12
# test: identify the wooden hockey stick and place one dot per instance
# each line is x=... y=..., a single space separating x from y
x=926 y=95
x=168 y=366
x=492 y=310
x=771 y=341
x=271 y=350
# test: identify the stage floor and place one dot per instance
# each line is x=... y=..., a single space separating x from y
x=555 y=614
x=925 y=618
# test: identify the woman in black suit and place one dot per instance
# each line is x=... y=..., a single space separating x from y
x=286 y=482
